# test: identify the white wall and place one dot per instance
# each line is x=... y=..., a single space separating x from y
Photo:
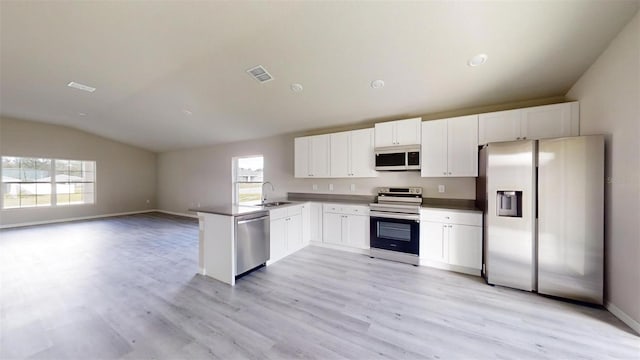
x=609 y=95
x=126 y=175
x=203 y=175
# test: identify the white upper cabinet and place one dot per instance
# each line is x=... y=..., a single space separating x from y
x=361 y=154
x=450 y=147
x=499 y=126
x=539 y=122
x=319 y=155
x=385 y=134
x=434 y=149
x=398 y=133
x=558 y=120
x=352 y=154
x=312 y=156
x=302 y=160
x=340 y=149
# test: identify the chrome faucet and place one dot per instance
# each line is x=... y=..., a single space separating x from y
x=264 y=193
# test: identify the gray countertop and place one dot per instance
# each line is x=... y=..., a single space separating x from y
x=230 y=210
x=451 y=207
x=238 y=210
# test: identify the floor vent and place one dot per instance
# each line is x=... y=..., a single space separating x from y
x=260 y=73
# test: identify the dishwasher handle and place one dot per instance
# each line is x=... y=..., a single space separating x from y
x=240 y=222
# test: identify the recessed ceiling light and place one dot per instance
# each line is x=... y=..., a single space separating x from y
x=377 y=84
x=296 y=87
x=477 y=60
x=82 y=114
x=79 y=86
x=187 y=112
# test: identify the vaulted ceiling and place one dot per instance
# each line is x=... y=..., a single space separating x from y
x=172 y=74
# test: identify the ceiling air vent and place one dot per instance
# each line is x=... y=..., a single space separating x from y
x=260 y=73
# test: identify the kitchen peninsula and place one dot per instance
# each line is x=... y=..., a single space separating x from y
x=218 y=232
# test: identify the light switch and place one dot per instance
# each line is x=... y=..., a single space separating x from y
x=330 y=187
x=353 y=187
x=440 y=188
x=315 y=187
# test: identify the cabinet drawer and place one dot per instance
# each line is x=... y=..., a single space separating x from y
x=452 y=216
x=332 y=208
x=355 y=210
x=278 y=213
x=346 y=209
x=294 y=210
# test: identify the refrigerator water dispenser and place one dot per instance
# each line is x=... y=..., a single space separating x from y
x=509 y=203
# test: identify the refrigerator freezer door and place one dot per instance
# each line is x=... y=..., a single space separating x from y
x=510 y=240
x=570 y=218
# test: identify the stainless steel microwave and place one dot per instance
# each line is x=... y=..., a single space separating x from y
x=398 y=158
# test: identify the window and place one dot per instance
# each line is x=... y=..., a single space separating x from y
x=36 y=182
x=248 y=177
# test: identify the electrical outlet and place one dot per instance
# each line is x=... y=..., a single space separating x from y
x=148 y=201
x=315 y=187
x=440 y=188
x=353 y=187
x=330 y=187
x=198 y=204
x=609 y=180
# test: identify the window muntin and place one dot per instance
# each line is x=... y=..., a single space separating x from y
x=36 y=182
x=248 y=178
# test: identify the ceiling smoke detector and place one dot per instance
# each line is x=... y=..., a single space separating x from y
x=377 y=84
x=477 y=60
x=260 y=74
x=82 y=87
x=296 y=87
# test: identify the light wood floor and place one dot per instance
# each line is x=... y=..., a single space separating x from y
x=126 y=287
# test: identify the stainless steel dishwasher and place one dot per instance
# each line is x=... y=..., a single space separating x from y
x=252 y=241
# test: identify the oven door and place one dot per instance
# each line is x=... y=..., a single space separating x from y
x=395 y=234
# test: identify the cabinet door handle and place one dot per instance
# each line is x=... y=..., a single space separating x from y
x=524 y=138
x=444 y=173
x=449 y=173
x=518 y=138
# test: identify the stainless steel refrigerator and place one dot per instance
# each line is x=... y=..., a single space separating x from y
x=543 y=202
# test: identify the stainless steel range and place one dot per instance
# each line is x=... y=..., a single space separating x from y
x=395 y=224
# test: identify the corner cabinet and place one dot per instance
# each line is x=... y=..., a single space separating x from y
x=538 y=122
x=450 y=147
x=311 y=155
x=338 y=155
x=398 y=133
x=352 y=154
x=451 y=240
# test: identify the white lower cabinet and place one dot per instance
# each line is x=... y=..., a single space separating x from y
x=346 y=225
x=451 y=239
x=315 y=222
x=277 y=239
x=465 y=246
x=432 y=241
x=286 y=232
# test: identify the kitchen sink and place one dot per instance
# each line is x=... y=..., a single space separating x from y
x=275 y=203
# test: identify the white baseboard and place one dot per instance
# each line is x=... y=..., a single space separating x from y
x=443 y=266
x=177 y=213
x=340 y=247
x=622 y=316
x=75 y=219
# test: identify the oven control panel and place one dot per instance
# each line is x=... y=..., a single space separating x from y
x=400 y=191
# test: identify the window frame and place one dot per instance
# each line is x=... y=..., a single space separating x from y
x=53 y=183
x=235 y=197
